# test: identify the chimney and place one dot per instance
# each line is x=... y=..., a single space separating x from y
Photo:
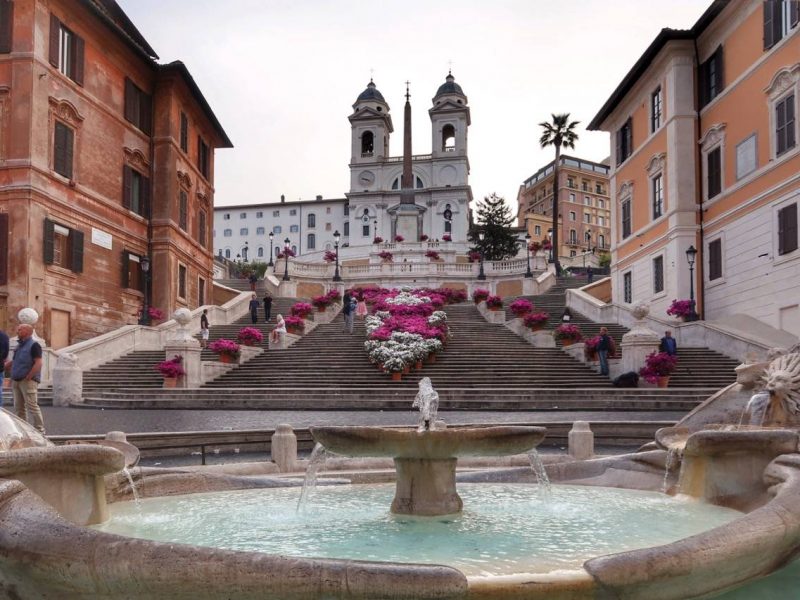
x=319 y=196
x=283 y=198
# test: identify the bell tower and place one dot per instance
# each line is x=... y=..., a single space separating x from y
x=371 y=126
x=449 y=120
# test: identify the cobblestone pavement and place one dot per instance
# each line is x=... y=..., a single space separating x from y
x=65 y=421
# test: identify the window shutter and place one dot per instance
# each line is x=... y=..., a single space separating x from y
x=55 y=31
x=127 y=176
x=620 y=158
x=199 y=153
x=77 y=60
x=6 y=25
x=715 y=260
x=789 y=229
x=145 y=197
x=125 y=266
x=49 y=232
x=76 y=237
x=772 y=23
x=789 y=136
x=69 y=140
x=145 y=113
x=59 y=141
x=201 y=228
x=130 y=101
x=702 y=88
x=794 y=13
x=628 y=138
x=719 y=80
x=3 y=248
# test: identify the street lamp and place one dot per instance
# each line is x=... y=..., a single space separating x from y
x=375 y=226
x=271 y=237
x=528 y=273
x=588 y=246
x=286 y=243
x=691 y=256
x=481 y=274
x=246 y=251
x=144 y=318
x=336 y=238
x=550 y=235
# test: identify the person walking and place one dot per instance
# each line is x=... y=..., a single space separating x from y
x=361 y=308
x=267 y=306
x=4 y=345
x=348 y=312
x=25 y=368
x=603 y=348
x=204 y=331
x=589 y=274
x=668 y=344
x=254 y=309
x=253 y=280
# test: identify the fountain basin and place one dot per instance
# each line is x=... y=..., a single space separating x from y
x=426 y=460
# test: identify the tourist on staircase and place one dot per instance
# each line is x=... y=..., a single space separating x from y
x=253 y=280
x=279 y=331
x=25 y=368
x=4 y=346
x=361 y=308
x=204 y=331
x=348 y=311
x=267 y=306
x=603 y=349
x=668 y=344
x=566 y=317
x=254 y=309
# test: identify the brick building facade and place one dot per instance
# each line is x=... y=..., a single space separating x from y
x=106 y=158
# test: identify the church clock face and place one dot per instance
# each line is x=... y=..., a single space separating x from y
x=366 y=178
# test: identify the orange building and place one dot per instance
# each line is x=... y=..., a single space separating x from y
x=583 y=201
x=106 y=159
x=704 y=144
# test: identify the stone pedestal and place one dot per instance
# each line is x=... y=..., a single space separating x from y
x=576 y=351
x=426 y=487
x=639 y=341
x=67 y=381
x=284 y=448
x=496 y=317
x=190 y=351
x=581 y=441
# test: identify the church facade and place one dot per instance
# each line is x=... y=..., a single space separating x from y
x=409 y=195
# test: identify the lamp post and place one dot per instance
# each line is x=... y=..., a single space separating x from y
x=691 y=256
x=286 y=243
x=588 y=246
x=550 y=236
x=246 y=251
x=375 y=228
x=448 y=217
x=481 y=274
x=271 y=237
x=528 y=273
x=336 y=238
x=144 y=318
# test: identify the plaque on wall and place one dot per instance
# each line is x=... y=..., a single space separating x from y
x=102 y=238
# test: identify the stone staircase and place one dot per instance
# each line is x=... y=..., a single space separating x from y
x=243 y=285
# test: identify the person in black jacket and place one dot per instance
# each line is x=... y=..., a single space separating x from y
x=3 y=356
x=603 y=348
x=254 y=309
x=267 y=306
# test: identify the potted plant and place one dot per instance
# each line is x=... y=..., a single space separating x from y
x=432 y=254
x=321 y=302
x=228 y=350
x=681 y=309
x=301 y=309
x=171 y=370
x=395 y=366
x=473 y=256
x=155 y=314
x=287 y=252
x=447 y=237
x=423 y=238
x=377 y=240
x=399 y=238
x=568 y=334
x=494 y=303
x=295 y=325
x=250 y=336
x=480 y=295
x=658 y=367
x=535 y=321
x=329 y=256
x=590 y=348
x=520 y=307
x=534 y=247
x=385 y=256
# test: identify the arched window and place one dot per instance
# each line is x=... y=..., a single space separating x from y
x=220 y=252
x=294 y=249
x=227 y=252
x=312 y=220
x=396 y=184
x=311 y=244
x=602 y=240
x=419 y=183
x=367 y=143
x=260 y=252
x=573 y=236
x=448 y=138
x=588 y=236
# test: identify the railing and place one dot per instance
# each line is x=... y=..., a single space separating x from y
x=366 y=154
x=414 y=157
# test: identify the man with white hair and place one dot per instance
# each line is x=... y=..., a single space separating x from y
x=25 y=369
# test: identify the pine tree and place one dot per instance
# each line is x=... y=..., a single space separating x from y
x=494 y=220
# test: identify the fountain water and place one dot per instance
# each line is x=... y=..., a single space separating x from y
x=126 y=471
x=542 y=479
x=427 y=400
x=319 y=455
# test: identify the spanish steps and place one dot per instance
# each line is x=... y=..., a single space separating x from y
x=483 y=365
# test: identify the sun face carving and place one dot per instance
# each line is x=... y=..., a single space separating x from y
x=782 y=381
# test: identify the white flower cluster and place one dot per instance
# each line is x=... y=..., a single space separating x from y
x=439 y=317
x=408 y=299
x=401 y=350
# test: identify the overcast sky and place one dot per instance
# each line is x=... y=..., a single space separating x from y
x=281 y=76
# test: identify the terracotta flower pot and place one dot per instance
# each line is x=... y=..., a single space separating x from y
x=663 y=381
x=397 y=376
x=537 y=327
x=406 y=369
x=226 y=358
x=419 y=365
x=431 y=358
x=494 y=308
x=567 y=342
x=320 y=309
x=170 y=382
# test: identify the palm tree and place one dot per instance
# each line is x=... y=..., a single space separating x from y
x=558 y=133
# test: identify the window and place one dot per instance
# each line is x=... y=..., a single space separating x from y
x=584 y=186
x=570 y=182
x=227 y=233
x=587 y=218
x=293 y=212
x=260 y=231
x=601 y=221
x=626 y=218
x=183 y=211
x=600 y=203
x=346 y=210
x=226 y=217
x=312 y=220
x=66 y=50
x=276 y=213
x=243 y=215
x=138 y=106
x=784 y=125
x=714 y=172
x=715 y=259
x=710 y=75
x=327 y=210
x=587 y=201
x=573 y=236
x=245 y=253
x=311 y=242
x=419 y=183
x=787 y=229
x=572 y=215
x=63 y=247
x=780 y=16
x=346 y=228
x=657 y=188
x=365 y=230
x=181 y=281
x=6 y=25
x=259 y=214
x=573 y=253
x=227 y=252
x=63 y=142
x=132 y=274
x=655 y=109
x=367 y=143
x=184 y=132
x=201 y=291
x=627 y=287
x=572 y=197
x=601 y=239
x=448 y=227
x=598 y=189
x=294 y=228
x=135 y=191
x=537 y=230
x=327 y=226
x=658 y=274
x=277 y=229
x=201 y=228
x=243 y=231
x=448 y=138
x=203 y=157
x=624 y=142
